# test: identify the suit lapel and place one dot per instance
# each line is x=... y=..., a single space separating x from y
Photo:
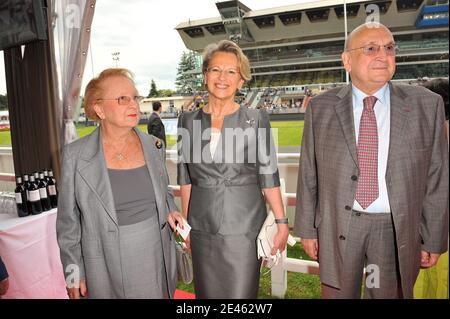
x=94 y=172
x=154 y=166
x=344 y=113
x=399 y=116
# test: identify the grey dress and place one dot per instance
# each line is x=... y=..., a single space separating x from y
x=227 y=207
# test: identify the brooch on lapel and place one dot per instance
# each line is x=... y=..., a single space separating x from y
x=158 y=143
x=250 y=122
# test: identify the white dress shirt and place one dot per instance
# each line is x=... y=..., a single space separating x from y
x=382 y=110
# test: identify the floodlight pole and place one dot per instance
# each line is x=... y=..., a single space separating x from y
x=347 y=80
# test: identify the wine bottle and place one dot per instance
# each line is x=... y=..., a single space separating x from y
x=26 y=184
x=52 y=182
x=52 y=193
x=21 y=198
x=34 y=197
x=45 y=200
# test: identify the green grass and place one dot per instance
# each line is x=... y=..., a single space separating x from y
x=300 y=286
x=287 y=133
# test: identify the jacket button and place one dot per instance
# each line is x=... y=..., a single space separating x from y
x=342 y=237
x=348 y=208
x=354 y=178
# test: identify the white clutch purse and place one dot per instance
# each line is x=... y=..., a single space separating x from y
x=266 y=235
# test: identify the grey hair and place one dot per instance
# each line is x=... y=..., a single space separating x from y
x=229 y=47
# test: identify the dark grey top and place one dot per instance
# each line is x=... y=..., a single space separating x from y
x=134 y=196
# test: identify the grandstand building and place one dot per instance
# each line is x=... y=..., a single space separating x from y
x=300 y=45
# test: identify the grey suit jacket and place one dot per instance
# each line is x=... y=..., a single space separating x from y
x=87 y=222
x=226 y=195
x=416 y=177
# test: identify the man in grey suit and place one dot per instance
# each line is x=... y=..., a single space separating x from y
x=373 y=179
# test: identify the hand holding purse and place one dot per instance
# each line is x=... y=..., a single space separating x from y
x=266 y=236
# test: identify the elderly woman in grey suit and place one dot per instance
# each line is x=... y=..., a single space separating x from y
x=114 y=201
x=227 y=171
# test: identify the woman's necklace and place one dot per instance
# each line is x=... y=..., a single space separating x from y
x=119 y=155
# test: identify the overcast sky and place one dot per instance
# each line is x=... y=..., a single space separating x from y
x=143 y=31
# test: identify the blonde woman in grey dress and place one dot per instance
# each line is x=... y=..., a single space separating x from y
x=114 y=201
x=224 y=185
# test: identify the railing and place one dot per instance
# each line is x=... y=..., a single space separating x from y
x=279 y=271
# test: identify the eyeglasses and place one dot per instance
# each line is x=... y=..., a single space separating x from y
x=216 y=71
x=125 y=99
x=373 y=49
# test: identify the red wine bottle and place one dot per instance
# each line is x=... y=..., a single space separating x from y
x=52 y=193
x=34 y=197
x=26 y=184
x=45 y=200
x=21 y=198
x=54 y=190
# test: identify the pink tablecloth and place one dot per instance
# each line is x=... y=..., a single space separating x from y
x=30 y=252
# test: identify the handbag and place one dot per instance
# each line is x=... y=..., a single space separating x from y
x=266 y=235
x=184 y=264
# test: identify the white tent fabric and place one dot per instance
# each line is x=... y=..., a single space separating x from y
x=71 y=37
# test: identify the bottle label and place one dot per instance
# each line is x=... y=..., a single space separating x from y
x=18 y=198
x=51 y=190
x=43 y=192
x=33 y=196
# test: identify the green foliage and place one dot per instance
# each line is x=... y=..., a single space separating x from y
x=165 y=93
x=3 y=102
x=187 y=81
x=153 y=90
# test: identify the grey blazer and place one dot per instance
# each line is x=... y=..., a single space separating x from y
x=226 y=195
x=87 y=222
x=416 y=177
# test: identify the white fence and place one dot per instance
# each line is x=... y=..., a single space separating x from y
x=279 y=271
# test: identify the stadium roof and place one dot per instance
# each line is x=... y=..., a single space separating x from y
x=318 y=21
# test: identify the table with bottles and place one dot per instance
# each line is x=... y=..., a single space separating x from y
x=28 y=244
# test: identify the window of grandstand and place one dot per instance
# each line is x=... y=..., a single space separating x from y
x=194 y=32
x=408 y=5
x=318 y=15
x=216 y=28
x=265 y=22
x=436 y=2
x=291 y=18
x=437 y=15
x=382 y=6
x=352 y=11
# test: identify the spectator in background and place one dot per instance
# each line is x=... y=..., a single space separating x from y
x=4 y=281
x=155 y=126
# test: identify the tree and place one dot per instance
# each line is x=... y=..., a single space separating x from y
x=165 y=93
x=153 y=90
x=187 y=80
x=3 y=102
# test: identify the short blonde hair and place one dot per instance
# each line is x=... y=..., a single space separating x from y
x=229 y=47
x=94 y=89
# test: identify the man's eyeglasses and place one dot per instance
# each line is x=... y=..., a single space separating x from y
x=373 y=49
x=126 y=100
x=216 y=71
